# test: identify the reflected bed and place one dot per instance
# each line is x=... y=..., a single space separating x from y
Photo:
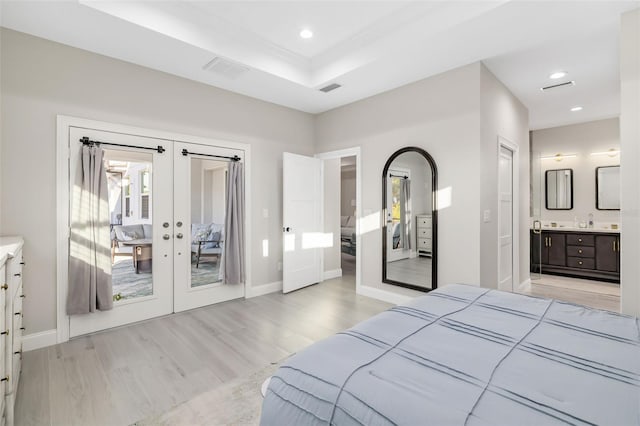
x=466 y=355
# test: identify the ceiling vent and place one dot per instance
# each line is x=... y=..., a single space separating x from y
x=557 y=86
x=225 y=68
x=329 y=88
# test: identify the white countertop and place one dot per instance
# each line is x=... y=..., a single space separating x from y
x=9 y=246
x=572 y=229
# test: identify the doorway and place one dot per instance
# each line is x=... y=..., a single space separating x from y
x=505 y=219
x=348 y=208
x=167 y=202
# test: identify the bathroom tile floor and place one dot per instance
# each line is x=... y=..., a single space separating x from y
x=596 y=294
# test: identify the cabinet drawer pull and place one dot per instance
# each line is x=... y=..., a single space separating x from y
x=580 y=251
x=549 y=241
x=17 y=352
x=22 y=263
x=579 y=240
x=4 y=286
x=22 y=328
x=18 y=313
x=23 y=296
x=17 y=275
x=5 y=333
x=4 y=379
x=580 y=262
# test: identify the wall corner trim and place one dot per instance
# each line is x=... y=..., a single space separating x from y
x=261 y=290
x=39 y=340
x=334 y=273
x=384 y=295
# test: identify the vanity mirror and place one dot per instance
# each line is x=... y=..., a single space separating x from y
x=410 y=229
x=608 y=188
x=559 y=189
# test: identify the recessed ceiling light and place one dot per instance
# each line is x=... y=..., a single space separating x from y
x=576 y=108
x=306 y=33
x=558 y=74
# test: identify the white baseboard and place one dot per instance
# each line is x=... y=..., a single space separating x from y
x=334 y=273
x=39 y=340
x=524 y=286
x=261 y=290
x=384 y=295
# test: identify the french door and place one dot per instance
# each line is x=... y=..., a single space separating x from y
x=167 y=213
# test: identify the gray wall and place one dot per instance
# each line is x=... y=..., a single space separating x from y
x=630 y=163
x=502 y=114
x=41 y=79
x=347 y=192
x=332 y=212
x=581 y=139
x=441 y=115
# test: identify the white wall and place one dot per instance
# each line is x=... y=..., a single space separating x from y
x=348 y=191
x=332 y=259
x=630 y=163
x=41 y=79
x=580 y=139
x=441 y=115
x=502 y=114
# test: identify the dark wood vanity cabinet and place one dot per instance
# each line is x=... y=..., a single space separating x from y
x=592 y=255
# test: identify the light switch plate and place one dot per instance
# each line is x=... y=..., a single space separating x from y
x=265 y=213
x=487 y=216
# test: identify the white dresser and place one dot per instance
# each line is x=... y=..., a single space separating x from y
x=424 y=234
x=11 y=296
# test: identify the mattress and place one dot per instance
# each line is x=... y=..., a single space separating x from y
x=464 y=355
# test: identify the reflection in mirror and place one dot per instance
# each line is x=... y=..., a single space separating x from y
x=559 y=189
x=208 y=204
x=608 y=188
x=409 y=232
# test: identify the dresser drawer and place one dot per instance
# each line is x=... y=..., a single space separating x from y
x=424 y=221
x=424 y=244
x=581 y=251
x=424 y=232
x=579 y=262
x=580 y=240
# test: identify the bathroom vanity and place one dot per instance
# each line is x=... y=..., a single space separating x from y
x=581 y=253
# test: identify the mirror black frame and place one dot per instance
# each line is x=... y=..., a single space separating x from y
x=597 y=189
x=546 y=191
x=434 y=219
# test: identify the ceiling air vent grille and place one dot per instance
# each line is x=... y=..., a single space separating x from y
x=329 y=88
x=225 y=68
x=557 y=86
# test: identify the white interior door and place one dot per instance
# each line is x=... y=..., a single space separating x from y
x=141 y=201
x=198 y=228
x=303 y=228
x=396 y=247
x=505 y=219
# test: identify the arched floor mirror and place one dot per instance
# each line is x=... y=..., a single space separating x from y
x=410 y=229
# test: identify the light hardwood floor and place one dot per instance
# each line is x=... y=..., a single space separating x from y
x=416 y=271
x=124 y=375
x=596 y=294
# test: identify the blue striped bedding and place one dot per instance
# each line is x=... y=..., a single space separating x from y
x=464 y=355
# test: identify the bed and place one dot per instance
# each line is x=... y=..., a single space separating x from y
x=466 y=355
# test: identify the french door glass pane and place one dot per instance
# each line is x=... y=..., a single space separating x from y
x=208 y=205
x=129 y=176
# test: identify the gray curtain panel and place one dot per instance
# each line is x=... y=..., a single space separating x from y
x=405 y=213
x=90 y=285
x=234 y=267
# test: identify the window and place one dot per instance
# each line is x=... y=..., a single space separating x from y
x=126 y=184
x=144 y=194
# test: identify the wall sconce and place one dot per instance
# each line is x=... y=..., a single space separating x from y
x=558 y=157
x=611 y=152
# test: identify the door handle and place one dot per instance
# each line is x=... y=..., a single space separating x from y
x=166 y=236
x=179 y=236
x=549 y=241
x=287 y=229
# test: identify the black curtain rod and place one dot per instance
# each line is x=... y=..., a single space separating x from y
x=404 y=177
x=234 y=158
x=86 y=141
